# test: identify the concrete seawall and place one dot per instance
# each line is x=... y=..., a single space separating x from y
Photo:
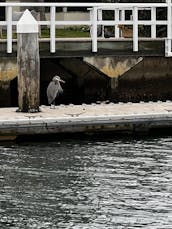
x=103 y=78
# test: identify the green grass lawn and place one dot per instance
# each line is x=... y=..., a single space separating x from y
x=66 y=33
x=60 y=33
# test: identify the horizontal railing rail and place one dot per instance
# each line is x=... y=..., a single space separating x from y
x=96 y=20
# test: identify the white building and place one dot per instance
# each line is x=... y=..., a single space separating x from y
x=62 y=14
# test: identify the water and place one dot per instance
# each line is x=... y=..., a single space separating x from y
x=107 y=183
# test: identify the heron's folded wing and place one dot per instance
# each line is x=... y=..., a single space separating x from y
x=51 y=92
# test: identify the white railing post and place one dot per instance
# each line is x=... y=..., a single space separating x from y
x=53 y=29
x=117 y=21
x=100 y=14
x=122 y=14
x=94 y=30
x=9 y=29
x=135 y=29
x=100 y=17
x=153 y=20
x=169 y=24
x=121 y=18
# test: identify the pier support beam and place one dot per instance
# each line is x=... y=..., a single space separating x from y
x=28 y=64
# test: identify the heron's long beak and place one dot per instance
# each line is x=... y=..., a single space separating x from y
x=62 y=81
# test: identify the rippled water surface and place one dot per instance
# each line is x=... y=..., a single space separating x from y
x=107 y=183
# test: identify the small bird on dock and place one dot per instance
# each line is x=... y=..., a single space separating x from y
x=54 y=89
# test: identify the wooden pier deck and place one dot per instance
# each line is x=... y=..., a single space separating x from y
x=119 y=118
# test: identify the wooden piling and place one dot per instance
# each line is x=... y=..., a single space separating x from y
x=28 y=64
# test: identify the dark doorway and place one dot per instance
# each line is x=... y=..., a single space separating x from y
x=84 y=83
x=2 y=12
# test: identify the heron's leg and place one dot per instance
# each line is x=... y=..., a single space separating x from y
x=52 y=105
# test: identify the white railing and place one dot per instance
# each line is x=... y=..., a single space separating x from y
x=96 y=20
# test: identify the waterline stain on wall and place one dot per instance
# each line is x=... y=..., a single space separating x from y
x=8 y=69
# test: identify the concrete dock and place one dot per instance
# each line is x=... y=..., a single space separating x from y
x=118 y=118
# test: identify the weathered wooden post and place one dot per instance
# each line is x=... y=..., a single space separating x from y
x=28 y=63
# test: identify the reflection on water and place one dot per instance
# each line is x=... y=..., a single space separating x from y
x=108 y=183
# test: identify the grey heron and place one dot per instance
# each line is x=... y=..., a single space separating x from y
x=54 y=89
